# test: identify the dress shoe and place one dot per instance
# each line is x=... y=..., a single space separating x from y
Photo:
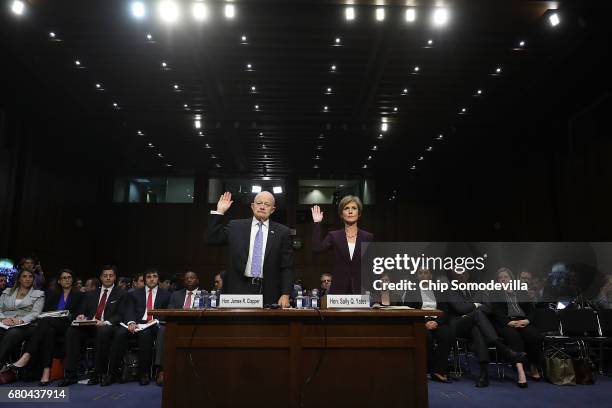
x=160 y=378
x=108 y=380
x=44 y=383
x=67 y=381
x=145 y=380
x=522 y=385
x=438 y=378
x=483 y=380
x=95 y=380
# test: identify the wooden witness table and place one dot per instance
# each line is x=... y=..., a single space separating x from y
x=254 y=358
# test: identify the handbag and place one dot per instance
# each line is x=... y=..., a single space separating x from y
x=8 y=376
x=130 y=368
x=559 y=368
x=583 y=367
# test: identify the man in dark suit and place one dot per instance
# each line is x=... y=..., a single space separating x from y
x=138 y=305
x=260 y=254
x=105 y=305
x=180 y=299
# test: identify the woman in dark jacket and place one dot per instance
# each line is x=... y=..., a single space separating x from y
x=512 y=322
x=49 y=329
x=346 y=244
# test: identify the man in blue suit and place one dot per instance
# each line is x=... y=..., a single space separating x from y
x=139 y=303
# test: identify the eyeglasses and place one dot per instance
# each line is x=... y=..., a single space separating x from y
x=325 y=280
x=267 y=205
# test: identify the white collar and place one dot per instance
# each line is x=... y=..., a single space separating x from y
x=255 y=221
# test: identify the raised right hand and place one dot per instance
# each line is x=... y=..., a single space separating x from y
x=317 y=214
x=225 y=202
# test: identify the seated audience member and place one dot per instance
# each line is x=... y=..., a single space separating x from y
x=326 y=282
x=138 y=305
x=440 y=336
x=165 y=284
x=33 y=266
x=218 y=282
x=78 y=284
x=527 y=278
x=469 y=320
x=137 y=282
x=512 y=323
x=91 y=285
x=124 y=283
x=3 y=282
x=604 y=298
x=48 y=329
x=105 y=306
x=19 y=305
x=180 y=299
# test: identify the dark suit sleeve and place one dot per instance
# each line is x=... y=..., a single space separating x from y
x=319 y=245
x=176 y=300
x=119 y=312
x=500 y=313
x=85 y=308
x=286 y=263
x=216 y=232
x=128 y=307
x=76 y=302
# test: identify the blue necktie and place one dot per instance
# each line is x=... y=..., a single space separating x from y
x=256 y=262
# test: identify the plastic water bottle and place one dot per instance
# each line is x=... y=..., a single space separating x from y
x=314 y=299
x=197 y=300
x=204 y=299
x=306 y=301
x=212 y=299
x=299 y=300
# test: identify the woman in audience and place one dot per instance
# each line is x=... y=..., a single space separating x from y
x=63 y=297
x=346 y=244
x=19 y=306
x=440 y=335
x=512 y=322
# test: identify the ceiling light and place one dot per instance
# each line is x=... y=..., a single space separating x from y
x=243 y=38
x=554 y=19
x=319 y=147
x=115 y=105
x=369 y=157
x=440 y=137
x=498 y=70
x=77 y=63
x=380 y=14
x=230 y=11
x=253 y=89
x=164 y=65
x=338 y=40
x=429 y=42
x=395 y=109
x=412 y=167
x=325 y=108
x=256 y=107
x=349 y=13
x=421 y=158
x=185 y=105
x=277 y=190
x=197 y=123
x=249 y=67
x=168 y=165
x=440 y=16
x=333 y=68
x=150 y=144
x=317 y=157
x=160 y=155
x=416 y=69
x=149 y=37
x=410 y=15
x=175 y=86
x=207 y=146
x=321 y=136
x=200 y=11
x=217 y=165
x=380 y=136
x=212 y=156
x=263 y=146
x=265 y=156
x=138 y=9
x=365 y=166
x=522 y=44
x=316 y=166
x=260 y=134
x=168 y=11
x=384 y=127
x=139 y=133
x=328 y=90
x=52 y=34
x=98 y=86
x=463 y=110
x=405 y=91
x=18 y=7
x=200 y=133
x=374 y=148
x=429 y=148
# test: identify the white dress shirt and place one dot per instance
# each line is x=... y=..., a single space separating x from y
x=154 y=294
x=254 y=228
x=193 y=293
x=351 y=246
x=108 y=292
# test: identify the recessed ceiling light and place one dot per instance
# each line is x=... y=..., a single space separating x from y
x=256 y=107
x=263 y=146
x=115 y=104
x=149 y=37
x=463 y=110
x=395 y=109
x=374 y=148
x=369 y=157
x=230 y=11
x=150 y=144
x=429 y=148
x=337 y=40
x=212 y=156
x=52 y=34
x=440 y=16
x=554 y=19
x=329 y=90
x=498 y=70
x=380 y=14
x=77 y=63
x=413 y=167
x=277 y=189
x=200 y=11
x=175 y=86
x=18 y=7
x=253 y=89
x=200 y=133
x=207 y=146
x=429 y=42
x=138 y=9
x=316 y=166
x=417 y=69
x=139 y=133
x=217 y=165
x=168 y=165
x=332 y=68
x=405 y=91
x=421 y=158
x=185 y=105
x=410 y=15
x=168 y=11
x=365 y=166
x=380 y=136
x=349 y=13
x=197 y=123
x=261 y=134
x=160 y=155
x=479 y=92
x=317 y=157
x=98 y=86
x=164 y=65
x=522 y=44
x=265 y=156
x=243 y=38
x=440 y=137
x=249 y=67
x=325 y=108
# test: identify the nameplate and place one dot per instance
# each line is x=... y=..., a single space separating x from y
x=241 y=301
x=348 y=301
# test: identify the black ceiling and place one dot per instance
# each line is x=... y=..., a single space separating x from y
x=291 y=46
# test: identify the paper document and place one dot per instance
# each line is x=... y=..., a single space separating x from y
x=141 y=326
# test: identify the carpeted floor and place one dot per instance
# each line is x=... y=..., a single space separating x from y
x=460 y=393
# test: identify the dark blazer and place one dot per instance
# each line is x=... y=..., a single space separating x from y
x=177 y=299
x=52 y=299
x=113 y=311
x=137 y=303
x=346 y=272
x=278 y=258
x=500 y=311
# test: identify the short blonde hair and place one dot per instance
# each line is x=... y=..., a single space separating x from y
x=349 y=199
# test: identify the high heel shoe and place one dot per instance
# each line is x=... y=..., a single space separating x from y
x=522 y=385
